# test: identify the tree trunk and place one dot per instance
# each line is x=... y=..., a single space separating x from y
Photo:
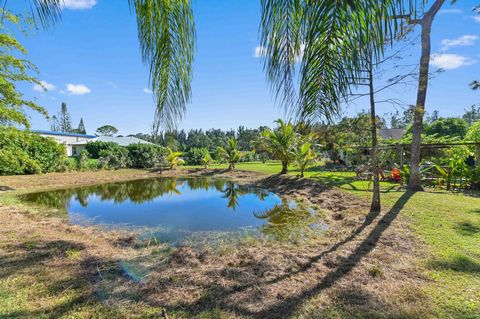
x=414 y=182
x=376 y=206
x=284 y=167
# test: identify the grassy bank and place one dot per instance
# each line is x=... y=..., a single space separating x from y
x=448 y=222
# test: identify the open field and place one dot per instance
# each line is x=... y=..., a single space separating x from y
x=419 y=258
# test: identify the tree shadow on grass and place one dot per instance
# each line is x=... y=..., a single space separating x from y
x=459 y=263
x=467 y=228
x=224 y=297
x=53 y=270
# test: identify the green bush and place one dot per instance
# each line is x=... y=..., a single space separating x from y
x=68 y=164
x=473 y=133
x=195 y=156
x=94 y=148
x=92 y=164
x=82 y=160
x=145 y=155
x=23 y=152
x=114 y=157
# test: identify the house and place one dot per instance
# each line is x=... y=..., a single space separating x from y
x=67 y=139
x=75 y=143
x=391 y=133
x=79 y=146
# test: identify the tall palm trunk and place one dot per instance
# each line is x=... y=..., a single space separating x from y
x=375 y=206
x=426 y=25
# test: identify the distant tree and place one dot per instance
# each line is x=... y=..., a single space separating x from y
x=451 y=127
x=106 y=130
x=64 y=120
x=472 y=114
x=475 y=85
x=54 y=127
x=230 y=153
x=395 y=121
x=433 y=117
x=280 y=142
x=81 y=127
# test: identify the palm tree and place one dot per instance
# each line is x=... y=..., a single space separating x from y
x=207 y=160
x=280 y=142
x=475 y=85
x=230 y=153
x=304 y=155
x=173 y=157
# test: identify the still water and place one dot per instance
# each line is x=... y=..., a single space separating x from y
x=174 y=209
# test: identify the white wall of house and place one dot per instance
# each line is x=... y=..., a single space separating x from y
x=72 y=150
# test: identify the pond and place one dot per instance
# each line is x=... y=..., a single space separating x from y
x=175 y=209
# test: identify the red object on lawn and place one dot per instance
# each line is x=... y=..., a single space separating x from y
x=396 y=175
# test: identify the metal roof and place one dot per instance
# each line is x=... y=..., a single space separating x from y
x=63 y=134
x=122 y=141
x=391 y=133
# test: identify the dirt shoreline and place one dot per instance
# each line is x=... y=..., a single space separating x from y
x=364 y=265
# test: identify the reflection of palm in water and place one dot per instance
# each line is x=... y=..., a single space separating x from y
x=141 y=191
x=285 y=222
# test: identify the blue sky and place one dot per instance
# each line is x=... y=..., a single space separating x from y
x=91 y=60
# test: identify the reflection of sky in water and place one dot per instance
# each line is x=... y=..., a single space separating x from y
x=176 y=209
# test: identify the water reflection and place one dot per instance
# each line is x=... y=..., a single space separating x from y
x=175 y=209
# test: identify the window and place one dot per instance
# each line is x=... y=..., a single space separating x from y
x=74 y=150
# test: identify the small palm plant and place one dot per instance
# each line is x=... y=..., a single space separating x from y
x=230 y=153
x=173 y=158
x=304 y=156
x=280 y=142
x=207 y=160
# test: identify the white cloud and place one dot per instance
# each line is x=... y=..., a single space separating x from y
x=147 y=90
x=260 y=52
x=78 y=4
x=477 y=18
x=449 y=61
x=77 y=89
x=464 y=40
x=44 y=87
x=451 y=11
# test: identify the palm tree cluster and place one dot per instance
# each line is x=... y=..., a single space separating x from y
x=230 y=153
x=287 y=145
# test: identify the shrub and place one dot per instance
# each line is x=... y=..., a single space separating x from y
x=94 y=148
x=473 y=133
x=82 y=160
x=145 y=155
x=68 y=164
x=23 y=152
x=17 y=162
x=114 y=157
x=195 y=155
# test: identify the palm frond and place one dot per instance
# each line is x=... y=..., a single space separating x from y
x=47 y=12
x=333 y=35
x=166 y=31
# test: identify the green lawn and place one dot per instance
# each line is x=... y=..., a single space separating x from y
x=449 y=224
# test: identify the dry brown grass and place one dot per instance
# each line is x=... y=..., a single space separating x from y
x=364 y=266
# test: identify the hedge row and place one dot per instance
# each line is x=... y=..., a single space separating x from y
x=23 y=152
